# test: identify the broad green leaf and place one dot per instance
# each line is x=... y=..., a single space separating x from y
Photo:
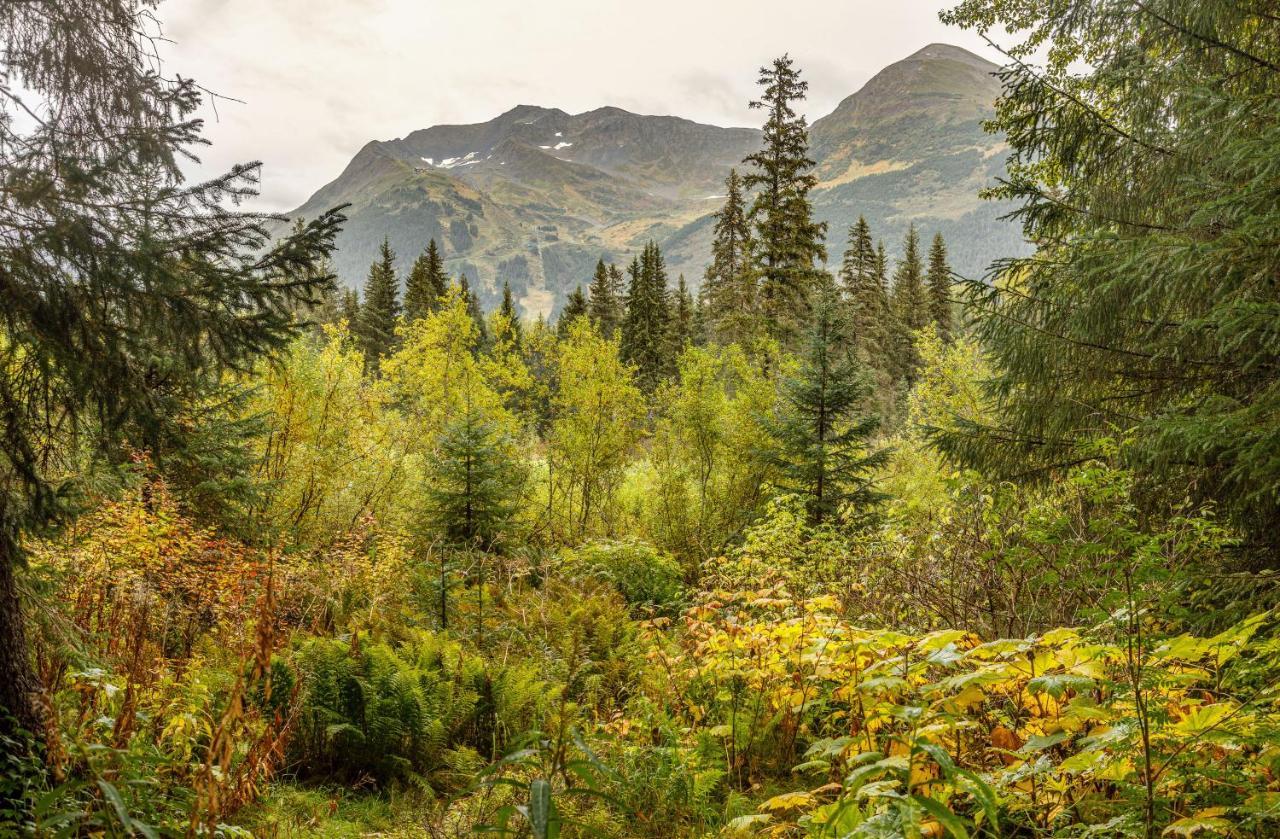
x=1206 y=821
x=949 y=820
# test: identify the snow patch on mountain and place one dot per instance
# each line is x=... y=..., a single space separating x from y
x=452 y=162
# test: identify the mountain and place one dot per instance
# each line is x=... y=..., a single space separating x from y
x=910 y=147
x=535 y=196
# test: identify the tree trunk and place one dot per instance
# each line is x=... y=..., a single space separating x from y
x=19 y=688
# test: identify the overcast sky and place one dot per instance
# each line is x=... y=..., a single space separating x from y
x=320 y=78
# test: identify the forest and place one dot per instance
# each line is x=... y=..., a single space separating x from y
x=805 y=548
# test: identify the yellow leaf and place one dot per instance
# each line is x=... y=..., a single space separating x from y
x=789 y=801
x=1205 y=821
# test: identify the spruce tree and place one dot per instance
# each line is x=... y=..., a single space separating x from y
x=330 y=307
x=1147 y=177
x=728 y=287
x=574 y=307
x=325 y=307
x=882 y=266
x=618 y=284
x=700 y=327
x=789 y=242
x=508 y=311
x=682 y=329
x=821 y=439
x=473 y=485
x=629 y=336
x=349 y=307
x=910 y=305
x=128 y=291
x=477 y=314
x=606 y=300
x=645 y=328
x=939 y=283
x=426 y=285
x=865 y=293
x=380 y=308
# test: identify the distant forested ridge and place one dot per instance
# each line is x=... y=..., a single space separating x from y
x=535 y=196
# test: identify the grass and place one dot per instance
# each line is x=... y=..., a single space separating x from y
x=290 y=811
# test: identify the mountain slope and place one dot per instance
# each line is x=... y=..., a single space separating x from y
x=536 y=195
x=910 y=147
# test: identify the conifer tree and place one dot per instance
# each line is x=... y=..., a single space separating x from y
x=128 y=290
x=474 y=484
x=939 y=283
x=821 y=439
x=574 y=307
x=349 y=307
x=865 y=293
x=682 y=327
x=329 y=309
x=325 y=307
x=882 y=266
x=379 y=309
x=606 y=300
x=700 y=327
x=910 y=305
x=645 y=328
x=539 y=356
x=728 y=288
x=1147 y=177
x=473 y=308
x=508 y=311
x=789 y=242
x=426 y=285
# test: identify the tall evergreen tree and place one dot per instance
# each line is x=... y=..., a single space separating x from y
x=473 y=308
x=1150 y=310
x=606 y=300
x=127 y=291
x=329 y=309
x=645 y=328
x=939 y=283
x=426 y=285
x=474 y=483
x=574 y=307
x=728 y=288
x=508 y=311
x=682 y=327
x=822 y=442
x=325 y=307
x=380 y=308
x=349 y=308
x=910 y=305
x=882 y=266
x=789 y=242
x=700 y=327
x=865 y=293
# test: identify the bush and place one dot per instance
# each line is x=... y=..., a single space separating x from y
x=649 y=580
x=391 y=714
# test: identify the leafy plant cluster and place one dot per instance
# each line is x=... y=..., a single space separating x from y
x=771 y=562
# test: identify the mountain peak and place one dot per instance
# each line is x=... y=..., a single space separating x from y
x=536 y=195
x=943 y=79
x=527 y=113
x=950 y=52
x=607 y=111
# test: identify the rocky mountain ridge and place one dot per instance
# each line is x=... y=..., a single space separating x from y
x=536 y=195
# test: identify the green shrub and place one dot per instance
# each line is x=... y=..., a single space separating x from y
x=391 y=714
x=648 y=579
